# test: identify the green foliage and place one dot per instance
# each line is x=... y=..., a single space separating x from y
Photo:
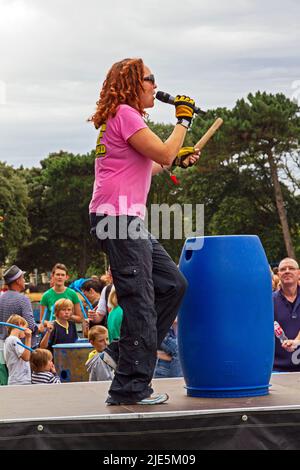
x=266 y=121
x=258 y=133
x=13 y=209
x=59 y=215
x=262 y=122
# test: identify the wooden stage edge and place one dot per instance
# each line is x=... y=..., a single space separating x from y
x=75 y=416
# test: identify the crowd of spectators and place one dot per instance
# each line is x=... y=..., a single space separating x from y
x=26 y=347
x=65 y=314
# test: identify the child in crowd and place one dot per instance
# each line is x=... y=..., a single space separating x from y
x=43 y=370
x=115 y=316
x=98 y=337
x=16 y=356
x=99 y=314
x=62 y=330
x=98 y=370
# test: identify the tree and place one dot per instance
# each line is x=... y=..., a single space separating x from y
x=14 y=226
x=61 y=191
x=259 y=133
x=270 y=129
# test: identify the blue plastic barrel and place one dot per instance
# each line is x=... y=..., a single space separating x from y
x=70 y=359
x=225 y=325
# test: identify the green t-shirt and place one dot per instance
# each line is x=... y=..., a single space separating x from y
x=50 y=297
x=114 y=322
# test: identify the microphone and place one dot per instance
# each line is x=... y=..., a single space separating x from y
x=166 y=98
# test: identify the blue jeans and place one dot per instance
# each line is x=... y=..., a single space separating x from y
x=166 y=369
x=169 y=368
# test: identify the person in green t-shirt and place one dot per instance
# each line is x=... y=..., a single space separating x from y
x=3 y=374
x=59 y=291
x=115 y=316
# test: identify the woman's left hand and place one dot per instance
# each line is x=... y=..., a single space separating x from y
x=187 y=156
x=194 y=157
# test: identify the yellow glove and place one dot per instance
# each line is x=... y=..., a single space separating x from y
x=182 y=159
x=184 y=110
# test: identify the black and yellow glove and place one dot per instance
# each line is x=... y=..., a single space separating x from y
x=182 y=159
x=184 y=110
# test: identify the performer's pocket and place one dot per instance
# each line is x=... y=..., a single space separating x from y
x=127 y=280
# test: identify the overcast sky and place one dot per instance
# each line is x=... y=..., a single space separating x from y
x=55 y=55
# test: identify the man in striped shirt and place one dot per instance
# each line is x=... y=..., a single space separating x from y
x=14 y=302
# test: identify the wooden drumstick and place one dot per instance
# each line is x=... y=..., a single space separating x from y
x=203 y=141
x=205 y=138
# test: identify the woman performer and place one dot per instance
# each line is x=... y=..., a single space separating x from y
x=148 y=284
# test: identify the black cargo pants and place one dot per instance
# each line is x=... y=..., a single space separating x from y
x=149 y=289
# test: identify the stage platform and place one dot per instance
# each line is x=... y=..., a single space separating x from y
x=74 y=416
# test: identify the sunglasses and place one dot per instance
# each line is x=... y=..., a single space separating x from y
x=150 y=78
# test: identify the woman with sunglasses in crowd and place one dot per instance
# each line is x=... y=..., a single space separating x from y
x=148 y=283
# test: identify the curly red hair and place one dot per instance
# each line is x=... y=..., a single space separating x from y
x=122 y=85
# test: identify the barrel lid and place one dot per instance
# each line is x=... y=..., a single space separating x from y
x=79 y=345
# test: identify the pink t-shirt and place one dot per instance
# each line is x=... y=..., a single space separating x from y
x=122 y=175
